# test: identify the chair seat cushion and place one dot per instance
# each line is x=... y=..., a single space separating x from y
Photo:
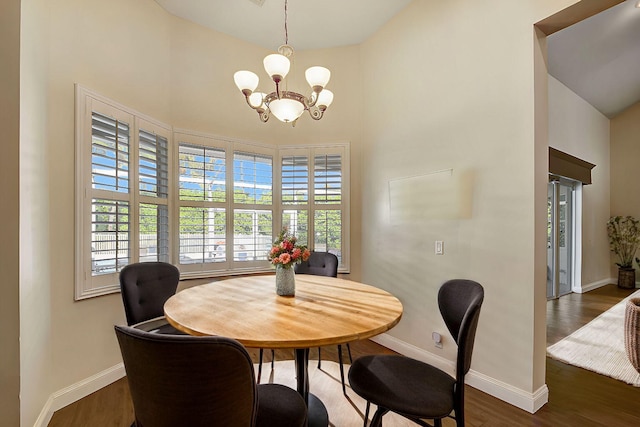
x=279 y=406
x=158 y=325
x=403 y=385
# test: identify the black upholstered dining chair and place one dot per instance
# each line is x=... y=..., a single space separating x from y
x=417 y=390
x=324 y=264
x=145 y=287
x=184 y=380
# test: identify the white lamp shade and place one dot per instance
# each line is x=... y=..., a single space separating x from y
x=255 y=99
x=325 y=98
x=317 y=76
x=286 y=110
x=277 y=66
x=246 y=80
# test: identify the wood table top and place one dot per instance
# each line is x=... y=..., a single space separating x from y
x=324 y=311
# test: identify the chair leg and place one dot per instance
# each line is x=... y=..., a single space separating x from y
x=366 y=413
x=349 y=351
x=437 y=422
x=377 y=417
x=319 y=357
x=344 y=388
x=273 y=359
x=260 y=365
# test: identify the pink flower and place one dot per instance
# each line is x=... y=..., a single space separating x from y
x=285 y=258
x=285 y=250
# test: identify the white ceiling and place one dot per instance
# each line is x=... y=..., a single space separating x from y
x=312 y=24
x=598 y=58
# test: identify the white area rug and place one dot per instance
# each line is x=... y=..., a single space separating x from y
x=599 y=346
x=325 y=384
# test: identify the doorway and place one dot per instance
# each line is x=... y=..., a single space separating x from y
x=561 y=236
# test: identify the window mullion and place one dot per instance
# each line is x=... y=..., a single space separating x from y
x=134 y=204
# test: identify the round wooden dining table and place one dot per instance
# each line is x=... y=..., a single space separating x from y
x=324 y=311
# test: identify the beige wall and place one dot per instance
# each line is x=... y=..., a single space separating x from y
x=10 y=213
x=35 y=245
x=124 y=57
x=625 y=174
x=166 y=68
x=448 y=85
x=577 y=128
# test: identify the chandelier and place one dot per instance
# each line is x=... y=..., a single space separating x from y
x=286 y=105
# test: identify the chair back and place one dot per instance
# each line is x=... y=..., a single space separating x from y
x=145 y=287
x=459 y=301
x=182 y=380
x=319 y=264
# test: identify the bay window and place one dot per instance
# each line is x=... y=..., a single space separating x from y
x=211 y=206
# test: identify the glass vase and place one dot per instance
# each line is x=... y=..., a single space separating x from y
x=285 y=281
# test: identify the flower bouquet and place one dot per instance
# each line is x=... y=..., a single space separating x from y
x=285 y=252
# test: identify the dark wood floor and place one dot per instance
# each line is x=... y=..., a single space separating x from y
x=576 y=397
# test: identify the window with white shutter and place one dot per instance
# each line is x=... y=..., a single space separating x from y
x=122 y=187
x=153 y=187
x=252 y=206
x=202 y=205
x=211 y=206
x=314 y=194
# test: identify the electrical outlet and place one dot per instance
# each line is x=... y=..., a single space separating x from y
x=437 y=339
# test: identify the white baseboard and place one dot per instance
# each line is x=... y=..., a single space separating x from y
x=595 y=285
x=599 y=284
x=529 y=402
x=77 y=391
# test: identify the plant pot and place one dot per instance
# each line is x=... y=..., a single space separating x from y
x=632 y=332
x=627 y=278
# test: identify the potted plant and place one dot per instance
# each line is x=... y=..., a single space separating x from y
x=624 y=239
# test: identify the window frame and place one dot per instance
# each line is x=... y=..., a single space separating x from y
x=87 y=101
x=311 y=151
x=88 y=286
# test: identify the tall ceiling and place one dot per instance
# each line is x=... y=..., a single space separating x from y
x=597 y=58
x=312 y=24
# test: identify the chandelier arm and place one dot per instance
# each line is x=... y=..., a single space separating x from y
x=316 y=113
x=264 y=116
x=311 y=101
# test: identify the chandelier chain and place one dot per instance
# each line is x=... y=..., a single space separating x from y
x=286 y=31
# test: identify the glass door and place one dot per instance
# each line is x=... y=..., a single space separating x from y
x=560 y=237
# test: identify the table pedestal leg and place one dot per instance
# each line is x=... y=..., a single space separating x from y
x=317 y=412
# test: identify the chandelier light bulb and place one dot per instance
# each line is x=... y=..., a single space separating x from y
x=317 y=77
x=286 y=110
x=277 y=66
x=256 y=99
x=325 y=98
x=246 y=81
